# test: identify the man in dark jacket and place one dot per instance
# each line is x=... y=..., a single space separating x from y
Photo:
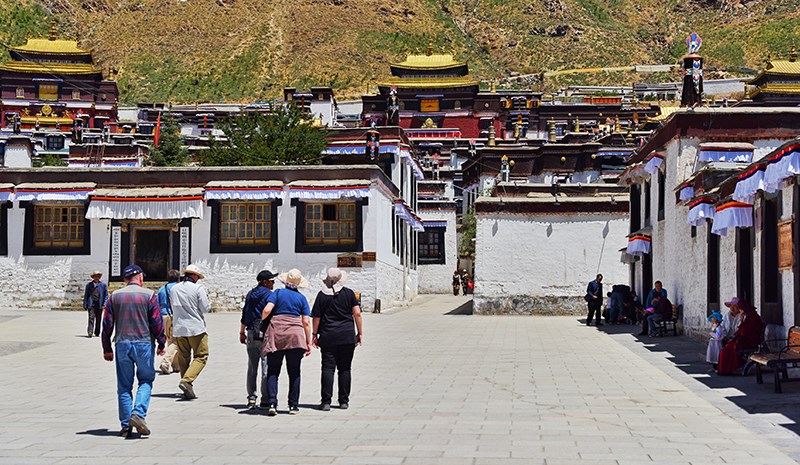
x=662 y=310
x=594 y=300
x=250 y=335
x=94 y=297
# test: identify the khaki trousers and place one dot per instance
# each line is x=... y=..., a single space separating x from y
x=171 y=361
x=193 y=353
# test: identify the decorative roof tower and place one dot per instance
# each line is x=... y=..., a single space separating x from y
x=692 y=93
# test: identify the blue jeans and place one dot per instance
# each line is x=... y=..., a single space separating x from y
x=651 y=321
x=134 y=357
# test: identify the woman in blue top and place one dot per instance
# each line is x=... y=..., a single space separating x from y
x=288 y=335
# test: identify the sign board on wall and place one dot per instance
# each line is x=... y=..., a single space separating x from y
x=368 y=256
x=116 y=250
x=348 y=260
x=785 y=245
x=184 y=248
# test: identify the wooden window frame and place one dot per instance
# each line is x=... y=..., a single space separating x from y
x=440 y=258
x=218 y=245
x=29 y=246
x=301 y=246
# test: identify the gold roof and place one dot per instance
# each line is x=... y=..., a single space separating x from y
x=432 y=61
x=779 y=67
x=49 y=67
x=46 y=120
x=666 y=111
x=426 y=83
x=793 y=89
x=50 y=46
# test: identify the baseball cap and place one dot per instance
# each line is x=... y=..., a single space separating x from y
x=131 y=271
x=265 y=275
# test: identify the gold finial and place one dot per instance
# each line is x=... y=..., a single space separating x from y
x=430 y=47
x=53 y=29
x=768 y=62
x=492 y=86
x=793 y=55
x=491 y=142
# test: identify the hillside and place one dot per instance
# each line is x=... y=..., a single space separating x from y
x=209 y=50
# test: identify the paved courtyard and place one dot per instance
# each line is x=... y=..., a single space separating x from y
x=431 y=386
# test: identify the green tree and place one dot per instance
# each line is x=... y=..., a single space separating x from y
x=170 y=151
x=468 y=225
x=284 y=136
x=49 y=160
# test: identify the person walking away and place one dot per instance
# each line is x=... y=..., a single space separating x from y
x=133 y=316
x=715 y=340
x=731 y=320
x=662 y=310
x=456 y=282
x=169 y=364
x=94 y=297
x=251 y=336
x=189 y=305
x=288 y=336
x=464 y=281
x=337 y=330
x=594 y=300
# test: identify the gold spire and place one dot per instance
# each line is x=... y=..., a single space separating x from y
x=53 y=30
x=430 y=47
x=793 y=55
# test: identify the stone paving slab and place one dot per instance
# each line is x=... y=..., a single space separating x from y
x=429 y=388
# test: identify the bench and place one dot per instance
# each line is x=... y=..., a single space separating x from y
x=670 y=324
x=779 y=361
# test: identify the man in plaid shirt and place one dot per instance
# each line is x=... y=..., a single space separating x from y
x=134 y=316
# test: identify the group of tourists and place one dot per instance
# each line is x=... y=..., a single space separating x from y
x=276 y=325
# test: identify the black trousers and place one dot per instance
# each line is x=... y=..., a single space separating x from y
x=336 y=358
x=95 y=318
x=594 y=307
x=274 y=364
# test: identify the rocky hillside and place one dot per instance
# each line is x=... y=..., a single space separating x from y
x=209 y=50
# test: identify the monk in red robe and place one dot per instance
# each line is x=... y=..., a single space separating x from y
x=746 y=338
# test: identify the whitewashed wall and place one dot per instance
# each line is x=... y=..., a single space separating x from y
x=437 y=279
x=542 y=263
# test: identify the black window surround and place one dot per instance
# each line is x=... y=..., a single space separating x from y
x=435 y=234
x=4 y=227
x=217 y=247
x=28 y=247
x=300 y=227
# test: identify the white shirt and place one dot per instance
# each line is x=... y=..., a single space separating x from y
x=730 y=324
x=189 y=303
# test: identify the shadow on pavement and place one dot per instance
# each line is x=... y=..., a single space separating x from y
x=689 y=355
x=243 y=410
x=98 y=432
x=463 y=309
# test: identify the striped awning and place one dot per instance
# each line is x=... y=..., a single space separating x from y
x=6 y=192
x=243 y=190
x=150 y=203
x=404 y=212
x=732 y=215
x=53 y=191
x=434 y=223
x=329 y=190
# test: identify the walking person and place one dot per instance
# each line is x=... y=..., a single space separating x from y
x=251 y=336
x=288 y=336
x=190 y=303
x=336 y=321
x=594 y=300
x=133 y=316
x=170 y=362
x=94 y=297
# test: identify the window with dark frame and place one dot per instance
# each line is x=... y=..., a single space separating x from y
x=58 y=226
x=647 y=203
x=662 y=183
x=245 y=223
x=330 y=223
x=54 y=142
x=48 y=92
x=431 y=246
x=636 y=208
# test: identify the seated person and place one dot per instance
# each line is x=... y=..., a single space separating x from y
x=662 y=309
x=747 y=338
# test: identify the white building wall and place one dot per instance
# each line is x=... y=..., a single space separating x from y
x=437 y=279
x=542 y=263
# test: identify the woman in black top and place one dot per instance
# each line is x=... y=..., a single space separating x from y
x=337 y=331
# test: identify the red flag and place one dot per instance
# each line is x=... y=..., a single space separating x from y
x=157 y=132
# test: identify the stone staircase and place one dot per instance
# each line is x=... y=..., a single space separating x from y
x=76 y=304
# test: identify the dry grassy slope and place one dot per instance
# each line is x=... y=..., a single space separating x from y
x=248 y=49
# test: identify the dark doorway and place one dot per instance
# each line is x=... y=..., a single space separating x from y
x=712 y=273
x=744 y=263
x=647 y=274
x=151 y=251
x=771 y=308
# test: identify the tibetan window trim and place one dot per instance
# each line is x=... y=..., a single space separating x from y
x=6 y=193
x=701 y=210
x=432 y=246
x=324 y=190
x=243 y=190
x=409 y=160
x=218 y=244
x=401 y=210
x=781 y=166
x=53 y=192
x=654 y=163
x=29 y=246
x=302 y=246
x=638 y=245
x=750 y=182
x=139 y=208
x=732 y=215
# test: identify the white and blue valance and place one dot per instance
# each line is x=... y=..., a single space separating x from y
x=638 y=245
x=147 y=203
x=329 y=190
x=243 y=190
x=701 y=210
x=781 y=166
x=402 y=211
x=409 y=160
x=54 y=192
x=359 y=149
x=6 y=192
x=686 y=193
x=750 y=182
x=732 y=215
x=434 y=223
x=653 y=164
x=736 y=152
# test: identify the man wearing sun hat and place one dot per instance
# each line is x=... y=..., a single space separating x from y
x=189 y=303
x=94 y=297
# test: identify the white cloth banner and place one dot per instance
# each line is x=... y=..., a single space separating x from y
x=776 y=172
x=638 y=246
x=409 y=160
x=731 y=217
x=243 y=194
x=401 y=210
x=6 y=196
x=698 y=214
x=145 y=210
x=653 y=165
x=746 y=188
x=687 y=193
x=27 y=196
x=738 y=156
x=329 y=194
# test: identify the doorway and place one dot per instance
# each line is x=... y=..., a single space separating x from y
x=744 y=263
x=152 y=252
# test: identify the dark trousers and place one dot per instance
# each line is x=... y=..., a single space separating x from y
x=274 y=364
x=336 y=358
x=594 y=308
x=95 y=318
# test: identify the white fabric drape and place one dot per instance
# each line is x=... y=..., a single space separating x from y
x=687 y=193
x=700 y=212
x=329 y=194
x=653 y=164
x=6 y=196
x=243 y=194
x=405 y=155
x=638 y=245
x=731 y=215
x=738 y=156
x=777 y=170
x=402 y=211
x=166 y=209
x=26 y=196
x=746 y=188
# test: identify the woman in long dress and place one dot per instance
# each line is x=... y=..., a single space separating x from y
x=747 y=337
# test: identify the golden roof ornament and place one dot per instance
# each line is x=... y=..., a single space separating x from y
x=492 y=86
x=430 y=47
x=793 y=55
x=53 y=30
